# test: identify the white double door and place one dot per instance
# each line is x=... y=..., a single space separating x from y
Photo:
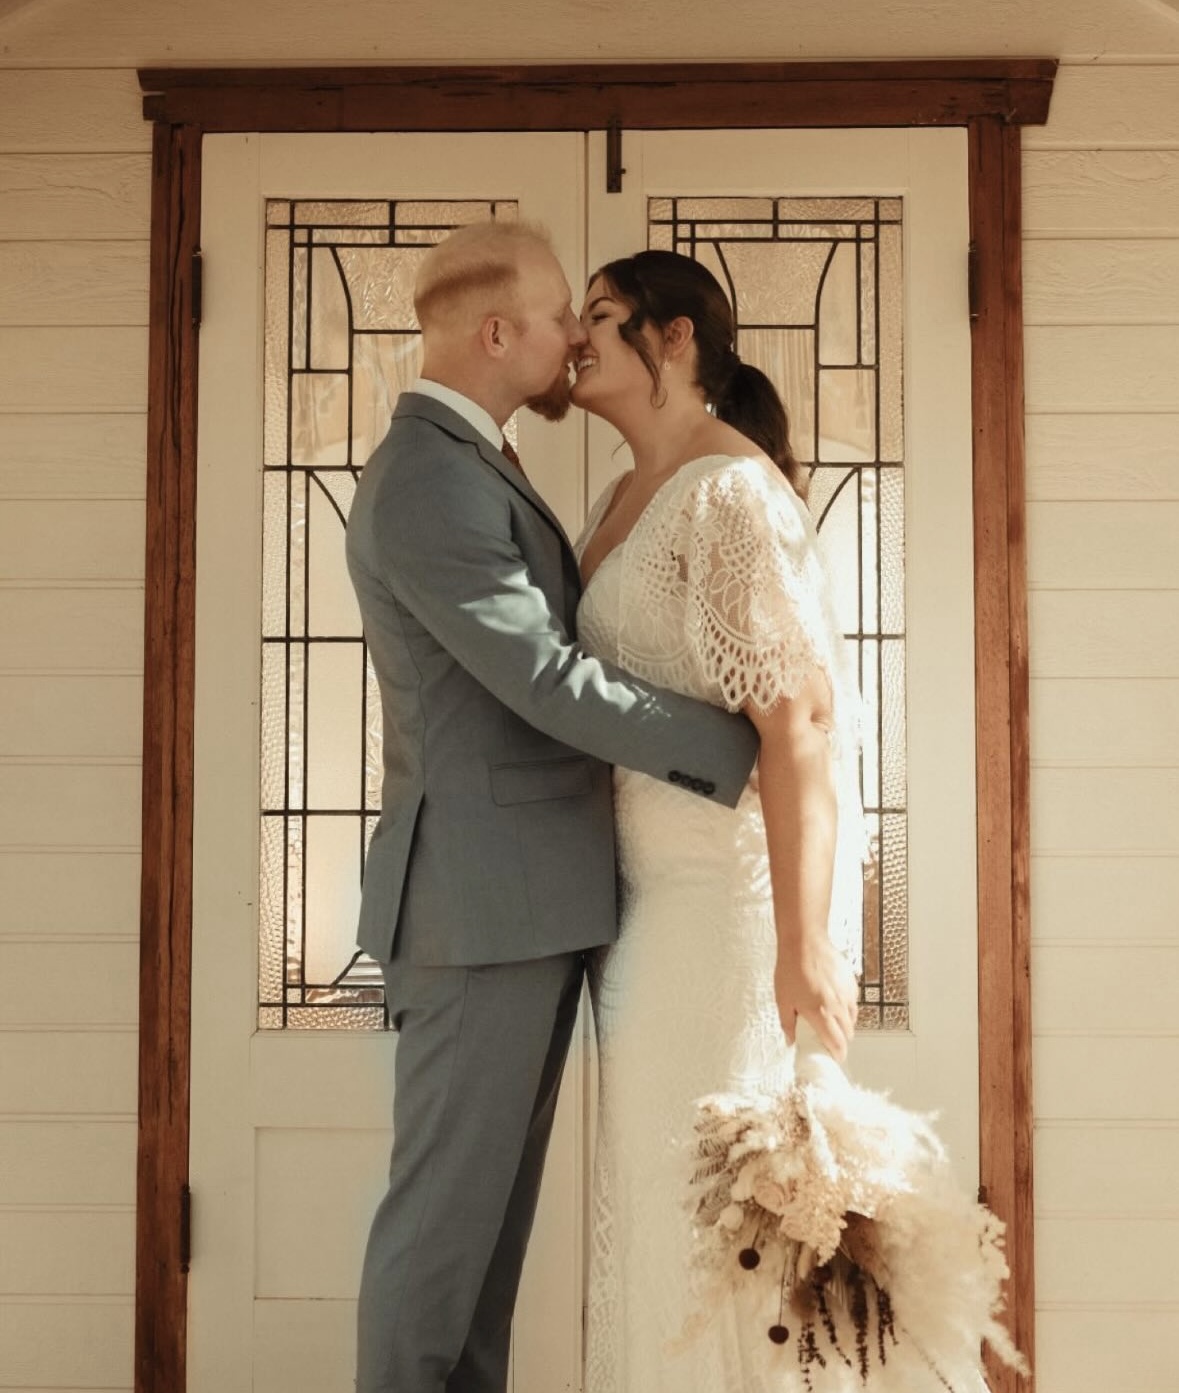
x=290 y=1131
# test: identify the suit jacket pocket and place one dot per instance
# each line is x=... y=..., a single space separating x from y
x=538 y=779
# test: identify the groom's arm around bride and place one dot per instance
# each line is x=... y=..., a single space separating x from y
x=492 y=868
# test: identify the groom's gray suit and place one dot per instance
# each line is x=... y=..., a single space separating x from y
x=490 y=872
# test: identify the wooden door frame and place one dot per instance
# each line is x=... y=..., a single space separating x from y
x=992 y=98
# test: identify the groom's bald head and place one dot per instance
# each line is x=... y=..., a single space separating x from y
x=475 y=273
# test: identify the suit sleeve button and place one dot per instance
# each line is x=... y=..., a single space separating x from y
x=675 y=776
x=709 y=787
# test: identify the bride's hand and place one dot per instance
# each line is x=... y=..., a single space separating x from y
x=815 y=982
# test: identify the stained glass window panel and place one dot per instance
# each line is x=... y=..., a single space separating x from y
x=341 y=343
x=816 y=288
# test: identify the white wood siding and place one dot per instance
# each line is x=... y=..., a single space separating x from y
x=1102 y=300
x=74 y=173
x=1101 y=279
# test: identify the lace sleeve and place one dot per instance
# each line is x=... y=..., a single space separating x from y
x=757 y=600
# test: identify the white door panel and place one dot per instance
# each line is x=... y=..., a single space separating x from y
x=290 y=1128
x=934 y=1065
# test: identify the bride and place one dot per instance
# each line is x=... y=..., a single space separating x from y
x=700 y=574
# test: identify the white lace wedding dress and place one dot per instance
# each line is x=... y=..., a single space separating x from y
x=718 y=593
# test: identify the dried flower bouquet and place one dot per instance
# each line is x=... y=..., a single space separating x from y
x=841 y=1207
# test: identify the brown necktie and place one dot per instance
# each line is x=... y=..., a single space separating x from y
x=508 y=450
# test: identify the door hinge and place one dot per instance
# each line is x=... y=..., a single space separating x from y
x=185 y=1228
x=614 y=166
x=198 y=287
x=972 y=279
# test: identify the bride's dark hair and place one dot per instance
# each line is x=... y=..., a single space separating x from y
x=659 y=286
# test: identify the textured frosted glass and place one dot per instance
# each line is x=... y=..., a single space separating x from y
x=350 y=236
x=329 y=316
x=870 y=718
x=374 y=724
x=331 y=607
x=319 y=419
x=824 y=209
x=338 y=486
x=839 y=539
x=739 y=210
x=839 y=304
x=892 y=431
x=299 y=309
x=276 y=349
x=894 y=734
x=847 y=415
x=894 y=862
x=381 y=282
x=297 y=701
x=274 y=725
x=274 y=554
x=822 y=231
x=443 y=216
x=787 y=357
x=384 y=367
x=324 y=1017
x=892 y=552
x=778 y=283
x=340 y=213
x=296 y=553
x=660 y=239
x=333 y=896
x=867 y=255
x=816 y=285
x=334 y=750
x=293 y=969
x=341 y=343
x=271 y=905
x=869 y=550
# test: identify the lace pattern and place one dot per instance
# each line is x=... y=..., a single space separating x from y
x=716 y=593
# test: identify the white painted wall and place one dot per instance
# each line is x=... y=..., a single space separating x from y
x=1102 y=299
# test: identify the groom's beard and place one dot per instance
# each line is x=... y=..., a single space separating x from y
x=553 y=403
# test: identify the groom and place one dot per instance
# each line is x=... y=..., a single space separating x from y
x=492 y=868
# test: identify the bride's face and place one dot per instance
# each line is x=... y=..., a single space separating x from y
x=608 y=370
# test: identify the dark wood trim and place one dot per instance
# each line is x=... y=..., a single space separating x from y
x=992 y=99
x=166 y=887
x=1001 y=713
x=651 y=96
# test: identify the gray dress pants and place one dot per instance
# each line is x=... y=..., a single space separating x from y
x=480 y=1053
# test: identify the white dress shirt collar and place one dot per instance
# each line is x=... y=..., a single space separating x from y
x=470 y=411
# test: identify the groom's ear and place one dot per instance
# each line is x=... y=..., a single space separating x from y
x=493 y=336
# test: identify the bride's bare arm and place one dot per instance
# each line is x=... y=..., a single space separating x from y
x=796 y=782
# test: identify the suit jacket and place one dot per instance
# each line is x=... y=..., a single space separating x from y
x=496 y=836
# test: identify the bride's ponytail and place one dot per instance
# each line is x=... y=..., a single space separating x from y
x=749 y=401
x=660 y=286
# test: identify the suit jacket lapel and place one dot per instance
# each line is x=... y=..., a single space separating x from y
x=427 y=408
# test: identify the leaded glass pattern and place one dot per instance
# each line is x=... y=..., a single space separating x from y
x=816 y=284
x=341 y=343
x=816 y=287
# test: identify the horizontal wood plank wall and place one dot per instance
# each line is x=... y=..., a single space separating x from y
x=74 y=178
x=1101 y=276
x=1101 y=232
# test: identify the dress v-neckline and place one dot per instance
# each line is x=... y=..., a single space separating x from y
x=650 y=503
